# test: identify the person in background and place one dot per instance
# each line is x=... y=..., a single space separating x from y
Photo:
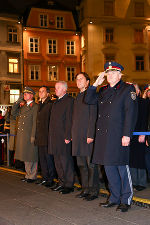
x=26 y=150
x=117 y=114
x=41 y=137
x=138 y=147
x=83 y=133
x=60 y=138
x=2 y=121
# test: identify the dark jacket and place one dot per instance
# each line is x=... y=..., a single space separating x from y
x=117 y=114
x=60 y=125
x=42 y=123
x=137 y=149
x=83 y=126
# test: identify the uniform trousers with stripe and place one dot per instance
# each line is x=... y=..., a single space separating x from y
x=120 y=184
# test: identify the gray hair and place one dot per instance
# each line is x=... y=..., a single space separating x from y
x=64 y=83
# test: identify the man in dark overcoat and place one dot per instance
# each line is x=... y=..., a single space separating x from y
x=83 y=133
x=41 y=138
x=60 y=138
x=117 y=113
x=26 y=150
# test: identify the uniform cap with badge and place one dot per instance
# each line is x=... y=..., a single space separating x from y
x=29 y=90
x=113 y=66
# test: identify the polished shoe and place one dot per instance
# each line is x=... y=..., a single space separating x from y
x=123 y=207
x=49 y=184
x=90 y=197
x=82 y=195
x=66 y=190
x=30 y=181
x=40 y=182
x=58 y=188
x=140 y=188
x=107 y=204
x=54 y=186
x=24 y=179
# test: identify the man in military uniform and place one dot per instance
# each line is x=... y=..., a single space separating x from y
x=25 y=149
x=117 y=113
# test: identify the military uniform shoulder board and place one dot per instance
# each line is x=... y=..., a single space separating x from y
x=129 y=83
x=133 y=95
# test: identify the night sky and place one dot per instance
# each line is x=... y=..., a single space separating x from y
x=20 y=5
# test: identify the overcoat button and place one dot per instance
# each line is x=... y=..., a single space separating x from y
x=98 y=129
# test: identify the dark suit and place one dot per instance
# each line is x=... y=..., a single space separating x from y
x=84 y=120
x=59 y=130
x=117 y=114
x=41 y=140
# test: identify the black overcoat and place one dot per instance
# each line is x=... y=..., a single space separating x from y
x=137 y=149
x=83 y=126
x=117 y=113
x=60 y=126
x=42 y=123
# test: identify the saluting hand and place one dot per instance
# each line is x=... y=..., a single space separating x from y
x=67 y=141
x=141 y=138
x=125 y=141
x=90 y=140
x=100 y=79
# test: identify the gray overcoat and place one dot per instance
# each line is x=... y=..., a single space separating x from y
x=25 y=148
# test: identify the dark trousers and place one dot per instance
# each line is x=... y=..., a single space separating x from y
x=89 y=175
x=65 y=169
x=47 y=164
x=120 y=184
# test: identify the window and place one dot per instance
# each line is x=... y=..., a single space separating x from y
x=139 y=9
x=70 y=47
x=12 y=34
x=139 y=63
x=109 y=58
x=109 y=35
x=34 y=45
x=52 y=46
x=52 y=73
x=13 y=65
x=14 y=95
x=59 y=22
x=43 y=20
x=34 y=72
x=138 y=36
x=70 y=73
x=109 y=8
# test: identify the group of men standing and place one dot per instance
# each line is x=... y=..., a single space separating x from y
x=96 y=128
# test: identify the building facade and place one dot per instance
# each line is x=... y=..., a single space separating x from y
x=51 y=48
x=117 y=30
x=11 y=58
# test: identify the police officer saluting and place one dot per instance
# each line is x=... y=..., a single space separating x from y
x=117 y=113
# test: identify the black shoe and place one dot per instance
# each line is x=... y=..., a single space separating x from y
x=30 y=181
x=140 y=188
x=58 y=188
x=90 y=197
x=123 y=207
x=82 y=195
x=54 y=186
x=66 y=190
x=107 y=204
x=40 y=182
x=24 y=179
x=49 y=184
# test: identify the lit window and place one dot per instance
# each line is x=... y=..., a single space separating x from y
x=59 y=22
x=12 y=34
x=13 y=65
x=139 y=9
x=109 y=35
x=109 y=8
x=43 y=20
x=70 y=73
x=52 y=46
x=139 y=63
x=70 y=47
x=34 y=45
x=14 y=95
x=138 y=35
x=34 y=72
x=52 y=73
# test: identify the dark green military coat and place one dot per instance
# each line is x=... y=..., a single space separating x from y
x=25 y=148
